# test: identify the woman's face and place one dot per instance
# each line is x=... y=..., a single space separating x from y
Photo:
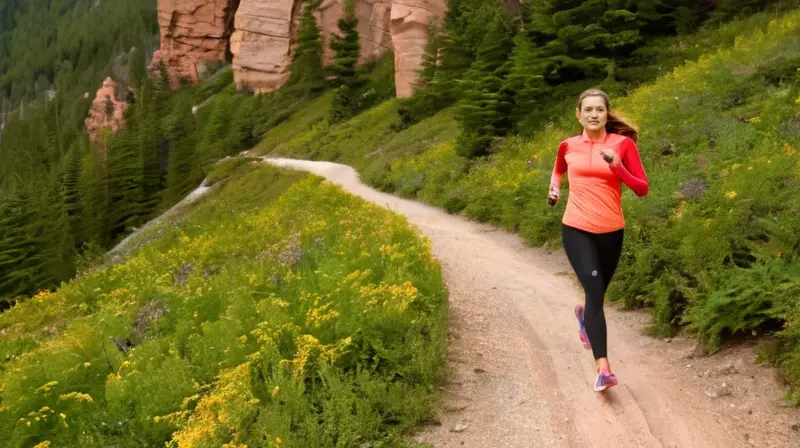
x=593 y=113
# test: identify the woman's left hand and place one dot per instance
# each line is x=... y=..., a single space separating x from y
x=610 y=156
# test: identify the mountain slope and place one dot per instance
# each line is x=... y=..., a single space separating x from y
x=279 y=311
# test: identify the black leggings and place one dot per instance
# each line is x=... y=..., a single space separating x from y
x=594 y=257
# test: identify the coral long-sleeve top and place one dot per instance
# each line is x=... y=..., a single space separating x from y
x=594 y=203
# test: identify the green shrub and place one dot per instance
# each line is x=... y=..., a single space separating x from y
x=747 y=301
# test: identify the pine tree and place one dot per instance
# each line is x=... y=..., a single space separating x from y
x=35 y=247
x=307 y=72
x=465 y=29
x=580 y=40
x=484 y=111
x=346 y=79
x=240 y=130
x=18 y=248
x=524 y=78
x=430 y=60
x=124 y=183
x=69 y=191
x=151 y=145
x=183 y=172
x=212 y=145
x=346 y=48
x=93 y=190
x=58 y=251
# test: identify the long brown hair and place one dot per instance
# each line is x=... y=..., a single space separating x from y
x=615 y=124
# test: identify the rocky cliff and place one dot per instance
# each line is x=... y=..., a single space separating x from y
x=409 y=30
x=107 y=111
x=195 y=32
x=261 y=42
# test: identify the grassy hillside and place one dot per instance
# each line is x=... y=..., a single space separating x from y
x=712 y=249
x=280 y=312
x=368 y=141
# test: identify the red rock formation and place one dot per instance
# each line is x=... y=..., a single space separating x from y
x=194 y=33
x=409 y=29
x=264 y=30
x=106 y=112
x=261 y=44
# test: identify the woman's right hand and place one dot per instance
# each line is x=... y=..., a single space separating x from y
x=552 y=197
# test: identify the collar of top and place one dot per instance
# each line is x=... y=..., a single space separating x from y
x=588 y=139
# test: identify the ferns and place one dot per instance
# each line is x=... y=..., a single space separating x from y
x=751 y=299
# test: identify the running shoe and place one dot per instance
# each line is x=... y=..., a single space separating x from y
x=604 y=380
x=582 y=330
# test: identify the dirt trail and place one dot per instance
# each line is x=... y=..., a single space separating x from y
x=519 y=376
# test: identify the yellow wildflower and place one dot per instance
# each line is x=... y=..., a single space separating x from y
x=678 y=214
x=77 y=396
x=731 y=194
x=45 y=444
x=281 y=303
x=278 y=440
x=47 y=387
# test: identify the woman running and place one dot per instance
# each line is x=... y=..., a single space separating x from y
x=598 y=161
